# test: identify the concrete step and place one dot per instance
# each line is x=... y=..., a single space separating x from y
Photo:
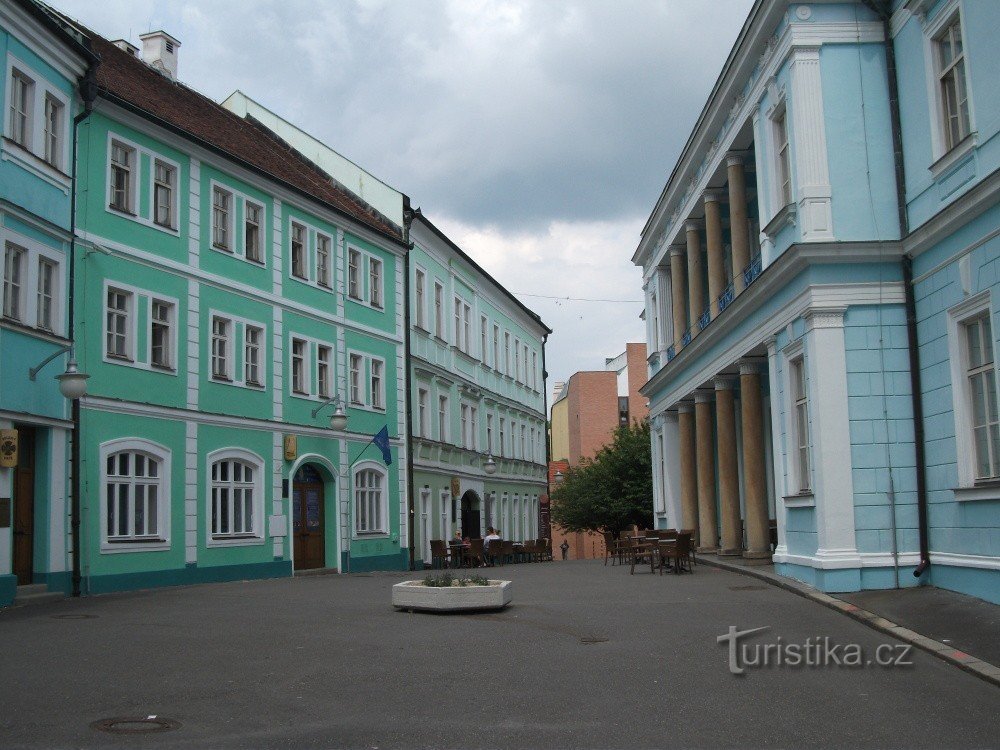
x=36 y=593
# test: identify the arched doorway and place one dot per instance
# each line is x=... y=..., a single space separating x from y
x=471 y=504
x=308 y=518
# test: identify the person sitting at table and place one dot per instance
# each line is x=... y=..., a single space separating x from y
x=491 y=535
x=457 y=540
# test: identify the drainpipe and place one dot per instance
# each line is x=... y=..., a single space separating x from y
x=884 y=11
x=407 y=218
x=548 y=432
x=88 y=92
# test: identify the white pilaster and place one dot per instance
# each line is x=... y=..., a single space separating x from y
x=826 y=366
x=779 y=404
x=190 y=492
x=58 y=466
x=815 y=214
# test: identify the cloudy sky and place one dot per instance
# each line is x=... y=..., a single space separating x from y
x=536 y=133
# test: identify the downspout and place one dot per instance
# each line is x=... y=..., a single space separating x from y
x=407 y=218
x=548 y=433
x=88 y=92
x=884 y=11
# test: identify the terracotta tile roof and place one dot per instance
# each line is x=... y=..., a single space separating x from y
x=120 y=76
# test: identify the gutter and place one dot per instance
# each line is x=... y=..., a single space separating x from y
x=884 y=11
x=88 y=92
x=407 y=218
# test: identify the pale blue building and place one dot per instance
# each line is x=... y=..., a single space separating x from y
x=827 y=247
x=42 y=65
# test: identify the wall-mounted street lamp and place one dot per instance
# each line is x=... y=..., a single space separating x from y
x=559 y=477
x=490 y=466
x=338 y=420
x=72 y=383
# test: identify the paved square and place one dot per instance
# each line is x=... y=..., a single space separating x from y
x=587 y=656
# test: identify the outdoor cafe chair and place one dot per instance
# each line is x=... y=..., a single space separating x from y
x=474 y=552
x=439 y=553
x=678 y=552
x=507 y=550
x=691 y=555
x=610 y=545
x=494 y=552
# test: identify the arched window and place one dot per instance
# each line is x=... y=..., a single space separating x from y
x=135 y=504
x=235 y=499
x=370 y=512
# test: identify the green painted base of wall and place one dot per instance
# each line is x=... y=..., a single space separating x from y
x=60 y=582
x=186 y=576
x=8 y=589
x=367 y=564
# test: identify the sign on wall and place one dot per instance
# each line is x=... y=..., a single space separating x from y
x=291 y=447
x=8 y=448
x=456 y=487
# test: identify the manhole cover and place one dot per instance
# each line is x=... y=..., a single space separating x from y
x=747 y=588
x=77 y=616
x=135 y=725
x=593 y=639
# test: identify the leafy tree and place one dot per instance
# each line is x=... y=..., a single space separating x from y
x=613 y=490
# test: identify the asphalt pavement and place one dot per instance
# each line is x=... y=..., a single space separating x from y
x=587 y=656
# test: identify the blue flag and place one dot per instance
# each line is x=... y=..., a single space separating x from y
x=382 y=441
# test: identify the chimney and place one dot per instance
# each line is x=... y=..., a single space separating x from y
x=159 y=50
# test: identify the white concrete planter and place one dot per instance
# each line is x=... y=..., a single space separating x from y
x=414 y=595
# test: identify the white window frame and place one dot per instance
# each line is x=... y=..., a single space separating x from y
x=45 y=296
x=484 y=338
x=366 y=278
x=444 y=417
x=377 y=382
x=419 y=298
x=782 y=157
x=53 y=137
x=439 y=325
x=356 y=394
x=145 y=213
x=423 y=412
x=324 y=371
x=794 y=357
x=257 y=535
x=354 y=266
x=24 y=114
x=258 y=248
x=170 y=185
x=257 y=382
x=381 y=529
x=152 y=543
x=324 y=250
x=130 y=322
x=376 y=282
x=16 y=262
x=496 y=347
x=222 y=218
x=238 y=342
x=128 y=207
x=170 y=345
x=489 y=433
x=979 y=305
x=298 y=372
x=940 y=147
x=464 y=411
x=41 y=90
x=298 y=234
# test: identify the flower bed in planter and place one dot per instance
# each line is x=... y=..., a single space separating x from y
x=416 y=595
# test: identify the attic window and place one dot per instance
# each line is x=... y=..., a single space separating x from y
x=170 y=47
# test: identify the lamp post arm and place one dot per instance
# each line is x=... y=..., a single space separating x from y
x=335 y=400
x=61 y=350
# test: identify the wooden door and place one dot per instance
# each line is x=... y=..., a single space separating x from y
x=307 y=519
x=24 y=507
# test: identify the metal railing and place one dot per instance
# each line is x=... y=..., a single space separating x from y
x=726 y=298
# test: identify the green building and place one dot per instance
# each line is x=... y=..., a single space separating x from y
x=228 y=293
x=39 y=101
x=477 y=394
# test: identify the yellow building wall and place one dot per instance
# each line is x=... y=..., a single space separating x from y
x=560 y=430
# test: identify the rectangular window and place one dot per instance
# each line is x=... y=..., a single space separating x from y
x=53 y=131
x=222 y=331
x=375 y=282
x=299 y=251
x=801 y=426
x=378 y=401
x=356 y=363
x=122 y=166
x=118 y=327
x=489 y=434
x=458 y=322
x=496 y=347
x=952 y=84
x=163 y=194
x=251 y=232
x=159 y=334
x=423 y=423
x=534 y=371
x=21 y=91
x=323 y=260
x=222 y=207
x=483 y=336
x=503 y=447
x=466 y=328
x=438 y=310
x=981 y=375
x=299 y=384
x=13 y=281
x=420 y=282
x=354 y=274
x=324 y=356
x=473 y=428
x=46 y=289
x=524 y=443
x=506 y=353
x=443 y=419
x=784 y=170
x=253 y=339
x=465 y=426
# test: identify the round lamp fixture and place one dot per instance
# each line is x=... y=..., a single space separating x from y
x=490 y=466
x=559 y=477
x=338 y=420
x=72 y=383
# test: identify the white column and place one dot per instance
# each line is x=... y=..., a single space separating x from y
x=807 y=134
x=779 y=404
x=669 y=469
x=826 y=367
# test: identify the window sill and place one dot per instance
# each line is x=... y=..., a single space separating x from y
x=222 y=379
x=988 y=489
x=802 y=500
x=239 y=540
x=120 y=546
x=223 y=249
x=119 y=359
x=167 y=227
x=954 y=155
x=165 y=369
x=122 y=211
x=371 y=534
